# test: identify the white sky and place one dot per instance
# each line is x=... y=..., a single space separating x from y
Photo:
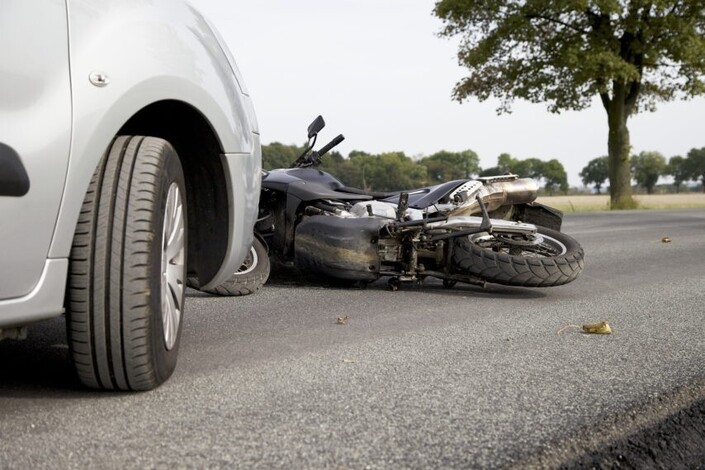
x=379 y=74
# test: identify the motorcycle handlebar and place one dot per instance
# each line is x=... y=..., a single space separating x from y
x=330 y=145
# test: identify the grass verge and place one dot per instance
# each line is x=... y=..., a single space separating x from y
x=592 y=203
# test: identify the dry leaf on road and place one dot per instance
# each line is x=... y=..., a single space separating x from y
x=601 y=328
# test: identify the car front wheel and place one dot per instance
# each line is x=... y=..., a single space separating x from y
x=128 y=268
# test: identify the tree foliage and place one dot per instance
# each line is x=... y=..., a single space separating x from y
x=647 y=167
x=392 y=171
x=596 y=172
x=630 y=53
x=277 y=155
x=677 y=168
x=384 y=172
x=695 y=164
x=551 y=173
x=555 y=179
x=446 y=166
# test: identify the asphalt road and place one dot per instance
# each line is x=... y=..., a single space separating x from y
x=419 y=378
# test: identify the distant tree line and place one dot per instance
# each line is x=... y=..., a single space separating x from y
x=550 y=173
x=393 y=171
x=647 y=167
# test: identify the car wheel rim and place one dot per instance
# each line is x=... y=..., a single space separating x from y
x=172 y=265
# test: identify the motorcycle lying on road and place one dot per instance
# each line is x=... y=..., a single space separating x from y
x=470 y=230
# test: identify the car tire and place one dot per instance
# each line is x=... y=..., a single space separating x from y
x=128 y=267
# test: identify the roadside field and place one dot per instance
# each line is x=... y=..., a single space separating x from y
x=591 y=203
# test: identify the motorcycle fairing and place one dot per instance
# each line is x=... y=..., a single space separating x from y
x=309 y=184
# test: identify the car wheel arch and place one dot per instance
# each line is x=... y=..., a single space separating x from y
x=199 y=150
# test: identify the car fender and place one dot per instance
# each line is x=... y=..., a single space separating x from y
x=126 y=55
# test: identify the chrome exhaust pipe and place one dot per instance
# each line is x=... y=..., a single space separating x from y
x=495 y=193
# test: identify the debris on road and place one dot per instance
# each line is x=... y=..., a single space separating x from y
x=666 y=240
x=342 y=320
x=601 y=328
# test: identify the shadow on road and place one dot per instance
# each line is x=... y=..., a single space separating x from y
x=430 y=286
x=39 y=366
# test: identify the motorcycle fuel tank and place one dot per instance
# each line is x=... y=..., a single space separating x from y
x=308 y=184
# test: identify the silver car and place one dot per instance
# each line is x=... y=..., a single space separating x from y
x=129 y=160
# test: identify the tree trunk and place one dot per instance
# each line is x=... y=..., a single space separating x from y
x=618 y=149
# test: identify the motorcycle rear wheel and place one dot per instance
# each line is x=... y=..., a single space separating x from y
x=556 y=260
x=251 y=276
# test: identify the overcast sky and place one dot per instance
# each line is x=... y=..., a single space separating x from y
x=379 y=74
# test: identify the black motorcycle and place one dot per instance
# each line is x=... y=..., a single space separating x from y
x=470 y=230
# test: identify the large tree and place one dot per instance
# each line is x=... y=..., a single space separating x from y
x=629 y=53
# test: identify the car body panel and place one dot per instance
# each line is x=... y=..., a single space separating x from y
x=111 y=60
x=45 y=301
x=120 y=40
x=35 y=121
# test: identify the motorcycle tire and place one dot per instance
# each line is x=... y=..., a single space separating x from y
x=251 y=276
x=557 y=260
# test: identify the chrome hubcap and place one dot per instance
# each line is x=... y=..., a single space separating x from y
x=172 y=265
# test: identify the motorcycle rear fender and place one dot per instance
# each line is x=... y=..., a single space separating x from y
x=538 y=214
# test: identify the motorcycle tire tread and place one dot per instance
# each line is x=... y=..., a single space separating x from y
x=241 y=284
x=511 y=270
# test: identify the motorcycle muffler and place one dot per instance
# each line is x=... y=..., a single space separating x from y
x=494 y=192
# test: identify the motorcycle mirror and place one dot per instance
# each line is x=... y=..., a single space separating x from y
x=316 y=126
